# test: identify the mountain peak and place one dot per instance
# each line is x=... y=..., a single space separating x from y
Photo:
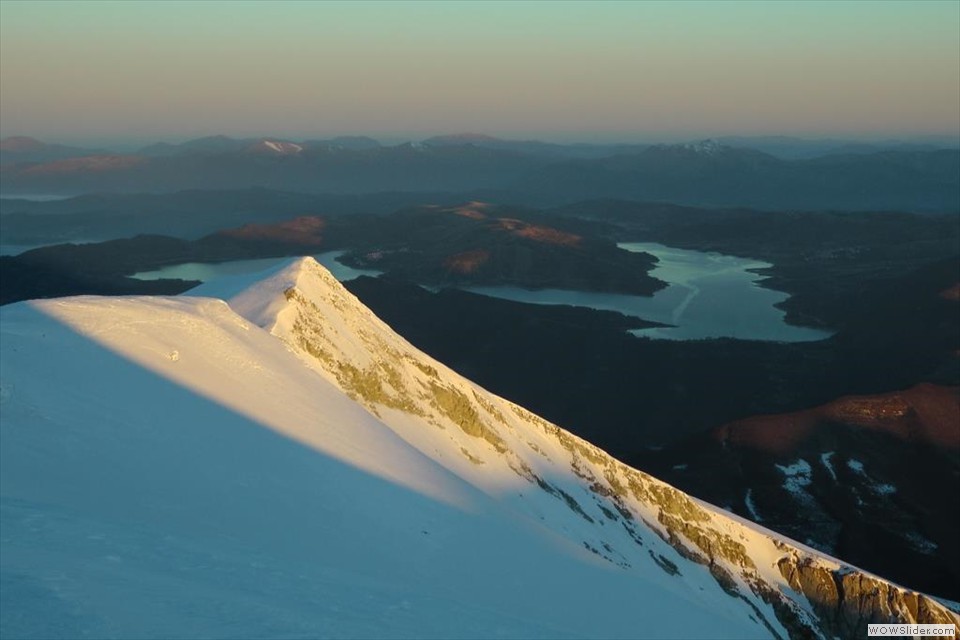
x=261 y=298
x=406 y=469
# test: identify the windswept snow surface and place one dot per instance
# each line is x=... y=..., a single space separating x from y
x=282 y=464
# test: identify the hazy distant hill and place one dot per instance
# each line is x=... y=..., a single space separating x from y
x=534 y=147
x=705 y=173
x=17 y=149
x=348 y=166
x=791 y=148
x=224 y=144
x=186 y=214
x=345 y=142
x=711 y=174
x=209 y=144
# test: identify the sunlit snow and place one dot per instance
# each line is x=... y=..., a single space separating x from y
x=281 y=463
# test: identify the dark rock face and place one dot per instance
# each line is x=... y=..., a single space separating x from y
x=843 y=600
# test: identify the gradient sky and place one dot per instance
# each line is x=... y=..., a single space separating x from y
x=111 y=71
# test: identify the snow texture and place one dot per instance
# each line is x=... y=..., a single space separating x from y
x=751 y=507
x=278 y=462
x=826 y=459
x=796 y=478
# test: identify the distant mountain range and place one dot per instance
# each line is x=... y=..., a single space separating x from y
x=223 y=144
x=707 y=173
x=352 y=165
x=711 y=174
x=18 y=149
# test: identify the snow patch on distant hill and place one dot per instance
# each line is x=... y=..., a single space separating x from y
x=276 y=147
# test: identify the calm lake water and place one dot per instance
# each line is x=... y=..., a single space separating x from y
x=206 y=272
x=710 y=296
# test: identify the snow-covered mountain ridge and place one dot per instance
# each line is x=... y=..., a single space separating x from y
x=141 y=457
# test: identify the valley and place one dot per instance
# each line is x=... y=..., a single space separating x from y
x=865 y=287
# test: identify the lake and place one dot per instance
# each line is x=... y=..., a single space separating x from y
x=710 y=295
x=205 y=272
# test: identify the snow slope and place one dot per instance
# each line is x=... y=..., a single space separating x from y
x=283 y=464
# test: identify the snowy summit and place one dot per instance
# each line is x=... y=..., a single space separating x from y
x=268 y=458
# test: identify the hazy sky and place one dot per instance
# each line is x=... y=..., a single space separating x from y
x=87 y=71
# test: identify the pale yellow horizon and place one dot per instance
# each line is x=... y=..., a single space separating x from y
x=646 y=70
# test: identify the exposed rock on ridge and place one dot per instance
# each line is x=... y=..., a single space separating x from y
x=347 y=344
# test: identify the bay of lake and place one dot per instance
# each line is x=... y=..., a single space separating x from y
x=710 y=295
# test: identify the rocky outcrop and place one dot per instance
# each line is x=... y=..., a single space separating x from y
x=790 y=589
x=847 y=600
x=843 y=599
